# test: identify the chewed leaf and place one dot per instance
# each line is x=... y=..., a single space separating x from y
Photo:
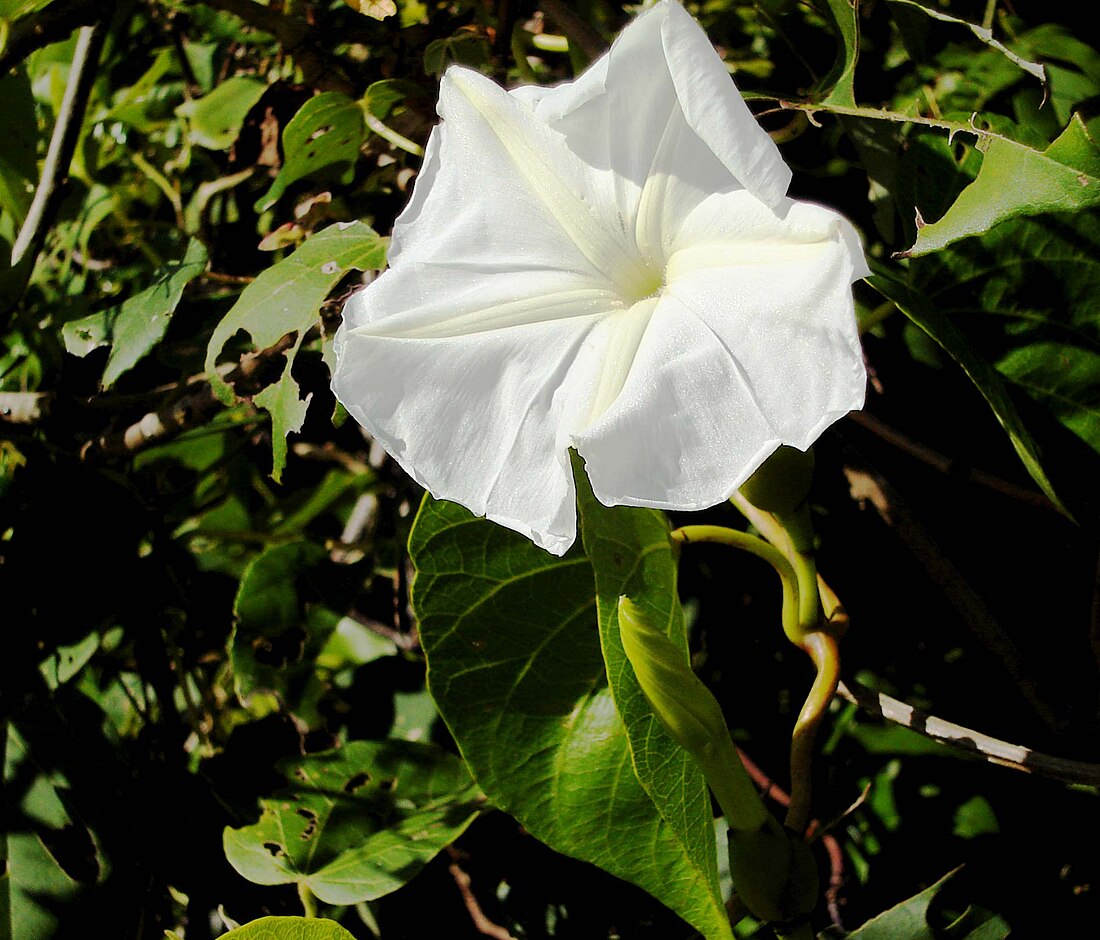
x=322 y=139
x=357 y=822
x=1014 y=181
x=278 y=634
x=285 y=299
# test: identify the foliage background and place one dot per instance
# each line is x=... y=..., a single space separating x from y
x=204 y=569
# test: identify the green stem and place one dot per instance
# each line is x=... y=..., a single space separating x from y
x=388 y=133
x=822 y=649
x=308 y=899
x=520 y=40
x=761 y=549
x=879 y=114
x=809 y=603
x=765 y=522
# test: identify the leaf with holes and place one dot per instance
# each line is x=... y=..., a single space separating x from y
x=280 y=630
x=285 y=299
x=322 y=140
x=357 y=822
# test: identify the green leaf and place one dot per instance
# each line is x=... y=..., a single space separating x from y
x=918 y=918
x=289 y=928
x=1028 y=296
x=14 y=9
x=631 y=554
x=839 y=82
x=1014 y=181
x=985 y=35
x=908 y=919
x=278 y=633
x=286 y=299
x=322 y=140
x=18 y=156
x=515 y=665
x=381 y=96
x=917 y=307
x=976 y=817
x=357 y=822
x=216 y=119
x=135 y=326
x=465 y=47
x=139 y=104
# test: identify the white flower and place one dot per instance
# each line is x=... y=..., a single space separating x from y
x=612 y=265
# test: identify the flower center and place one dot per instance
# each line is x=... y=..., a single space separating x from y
x=645 y=281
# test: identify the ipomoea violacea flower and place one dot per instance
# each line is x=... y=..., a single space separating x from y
x=613 y=265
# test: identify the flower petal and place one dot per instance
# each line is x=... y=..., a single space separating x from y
x=663 y=74
x=776 y=291
x=716 y=111
x=686 y=429
x=505 y=187
x=480 y=417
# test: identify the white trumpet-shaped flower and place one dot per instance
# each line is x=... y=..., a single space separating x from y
x=613 y=265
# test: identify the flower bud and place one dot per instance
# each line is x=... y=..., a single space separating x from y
x=684 y=705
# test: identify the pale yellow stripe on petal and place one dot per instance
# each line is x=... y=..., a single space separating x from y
x=627 y=329
x=581 y=302
x=734 y=254
x=602 y=246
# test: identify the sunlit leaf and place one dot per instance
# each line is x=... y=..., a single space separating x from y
x=631 y=554
x=216 y=119
x=289 y=928
x=1015 y=180
x=134 y=327
x=514 y=663
x=357 y=822
x=322 y=140
x=377 y=9
x=285 y=299
x=839 y=82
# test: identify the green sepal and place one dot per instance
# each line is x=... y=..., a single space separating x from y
x=782 y=482
x=773 y=871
